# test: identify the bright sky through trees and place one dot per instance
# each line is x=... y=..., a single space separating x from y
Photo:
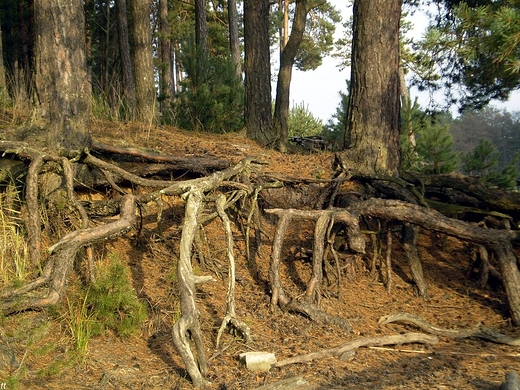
x=319 y=89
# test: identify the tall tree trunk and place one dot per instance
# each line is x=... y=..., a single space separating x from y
x=127 y=68
x=257 y=66
x=62 y=85
x=178 y=68
x=201 y=39
x=143 y=64
x=3 y=84
x=234 y=44
x=372 y=134
x=165 y=47
x=282 y=102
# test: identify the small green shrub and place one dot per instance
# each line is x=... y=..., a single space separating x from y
x=112 y=301
x=303 y=123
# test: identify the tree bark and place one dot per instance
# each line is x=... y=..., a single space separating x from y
x=127 y=69
x=282 y=102
x=3 y=85
x=372 y=134
x=234 y=43
x=63 y=89
x=257 y=66
x=201 y=39
x=165 y=47
x=143 y=64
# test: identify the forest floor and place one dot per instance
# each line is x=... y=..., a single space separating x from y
x=149 y=360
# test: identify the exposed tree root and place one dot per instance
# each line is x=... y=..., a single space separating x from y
x=187 y=328
x=230 y=317
x=347 y=348
x=61 y=261
x=498 y=241
x=235 y=182
x=479 y=330
x=322 y=231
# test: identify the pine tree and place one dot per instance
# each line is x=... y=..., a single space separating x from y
x=302 y=122
x=481 y=160
x=334 y=129
x=435 y=147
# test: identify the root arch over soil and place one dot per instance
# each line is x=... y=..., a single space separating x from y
x=207 y=197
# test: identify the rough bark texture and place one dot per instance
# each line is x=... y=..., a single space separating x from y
x=127 y=69
x=62 y=85
x=372 y=134
x=257 y=67
x=201 y=39
x=143 y=63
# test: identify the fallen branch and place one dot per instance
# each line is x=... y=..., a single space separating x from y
x=363 y=342
x=479 y=330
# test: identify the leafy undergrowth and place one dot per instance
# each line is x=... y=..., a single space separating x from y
x=38 y=350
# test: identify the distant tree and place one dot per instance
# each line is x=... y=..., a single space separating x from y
x=127 y=68
x=201 y=40
x=508 y=177
x=482 y=159
x=257 y=67
x=63 y=90
x=143 y=62
x=166 y=88
x=412 y=119
x=234 y=43
x=309 y=58
x=500 y=127
x=334 y=129
x=482 y=162
x=3 y=84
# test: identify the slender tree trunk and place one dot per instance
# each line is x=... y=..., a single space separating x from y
x=234 y=44
x=178 y=67
x=106 y=47
x=143 y=64
x=127 y=68
x=372 y=134
x=3 y=85
x=165 y=74
x=282 y=102
x=62 y=85
x=201 y=39
x=257 y=66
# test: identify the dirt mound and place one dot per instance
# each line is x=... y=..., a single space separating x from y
x=149 y=360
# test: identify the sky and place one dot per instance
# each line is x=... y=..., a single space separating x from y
x=319 y=89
